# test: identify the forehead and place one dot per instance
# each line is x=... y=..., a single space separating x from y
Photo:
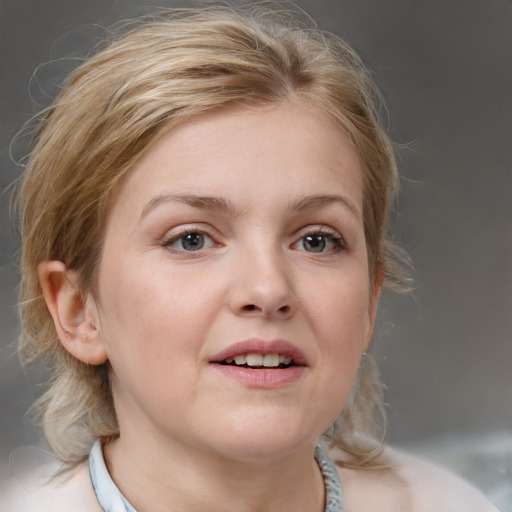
x=273 y=152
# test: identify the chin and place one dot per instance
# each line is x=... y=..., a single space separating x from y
x=262 y=441
x=261 y=452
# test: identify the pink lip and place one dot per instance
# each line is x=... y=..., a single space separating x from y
x=260 y=378
x=265 y=378
x=256 y=346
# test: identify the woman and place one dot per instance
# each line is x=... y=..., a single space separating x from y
x=204 y=243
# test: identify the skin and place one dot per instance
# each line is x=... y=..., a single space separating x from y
x=200 y=439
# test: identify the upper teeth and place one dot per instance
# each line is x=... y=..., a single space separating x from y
x=267 y=360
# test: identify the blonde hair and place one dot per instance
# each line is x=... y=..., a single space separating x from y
x=113 y=108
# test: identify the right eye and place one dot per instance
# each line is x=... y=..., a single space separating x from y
x=189 y=241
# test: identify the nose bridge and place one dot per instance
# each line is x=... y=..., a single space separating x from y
x=262 y=283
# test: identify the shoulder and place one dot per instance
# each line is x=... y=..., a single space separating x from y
x=43 y=485
x=435 y=489
x=409 y=484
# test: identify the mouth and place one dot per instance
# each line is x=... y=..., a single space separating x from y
x=261 y=354
x=260 y=364
x=257 y=360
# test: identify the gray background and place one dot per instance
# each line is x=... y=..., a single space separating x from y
x=446 y=71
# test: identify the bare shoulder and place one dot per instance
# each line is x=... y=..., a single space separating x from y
x=434 y=488
x=40 y=484
x=409 y=484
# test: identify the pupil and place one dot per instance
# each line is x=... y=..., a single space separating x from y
x=314 y=243
x=193 y=241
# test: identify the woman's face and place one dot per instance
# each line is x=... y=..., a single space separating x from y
x=235 y=245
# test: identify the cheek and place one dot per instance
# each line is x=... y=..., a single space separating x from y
x=340 y=317
x=339 y=308
x=154 y=314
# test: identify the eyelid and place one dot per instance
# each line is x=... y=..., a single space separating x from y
x=174 y=234
x=319 y=229
x=330 y=233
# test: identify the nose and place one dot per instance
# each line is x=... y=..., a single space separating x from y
x=262 y=286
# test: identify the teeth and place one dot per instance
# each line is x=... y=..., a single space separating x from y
x=271 y=360
x=254 y=359
x=240 y=359
x=258 y=360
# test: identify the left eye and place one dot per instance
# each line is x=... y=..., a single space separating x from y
x=319 y=242
x=189 y=242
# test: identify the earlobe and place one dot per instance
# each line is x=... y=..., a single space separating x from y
x=75 y=317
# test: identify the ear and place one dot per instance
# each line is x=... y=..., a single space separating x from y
x=75 y=316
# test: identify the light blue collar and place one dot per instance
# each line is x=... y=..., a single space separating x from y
x=106 y=490
x=112 y=500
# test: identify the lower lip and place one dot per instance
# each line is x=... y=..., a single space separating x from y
x=261 y=377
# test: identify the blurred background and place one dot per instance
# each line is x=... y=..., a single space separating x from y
x=444 y=67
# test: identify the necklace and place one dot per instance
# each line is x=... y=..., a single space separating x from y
x=112 y=500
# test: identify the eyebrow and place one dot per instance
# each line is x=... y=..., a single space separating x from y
x=227 y=207
x=313 y=201
x=214 y=204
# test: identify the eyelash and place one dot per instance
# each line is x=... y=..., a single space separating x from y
x=329 y=235
x=174 y=237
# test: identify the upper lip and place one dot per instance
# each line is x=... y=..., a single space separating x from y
x=257 y=346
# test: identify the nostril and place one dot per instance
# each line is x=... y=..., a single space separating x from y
x=284 y=310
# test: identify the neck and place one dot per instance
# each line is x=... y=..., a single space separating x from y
x=181 y=478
